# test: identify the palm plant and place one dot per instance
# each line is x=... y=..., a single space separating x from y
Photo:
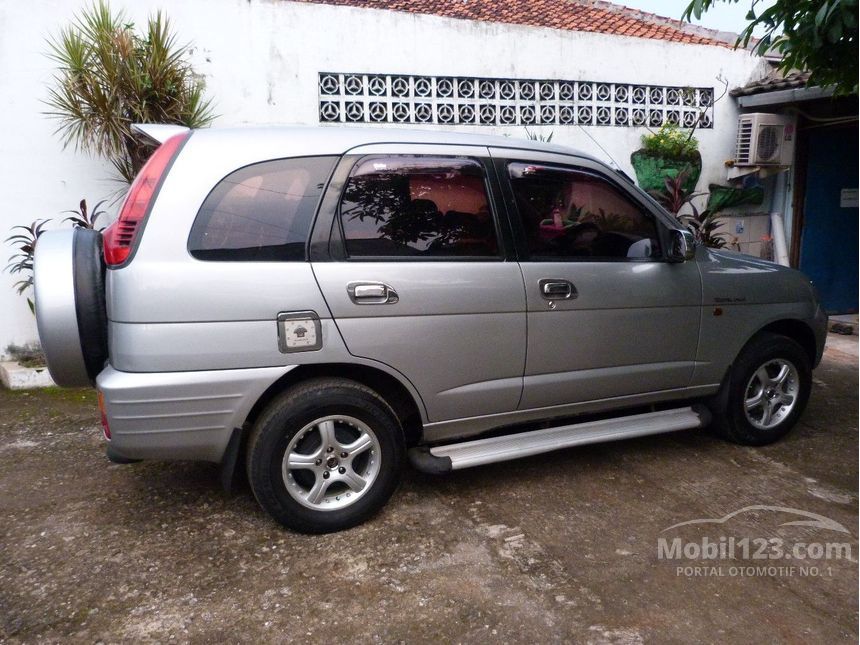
x=111 y=76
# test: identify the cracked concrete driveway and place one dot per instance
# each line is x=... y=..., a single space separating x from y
x=556 y=548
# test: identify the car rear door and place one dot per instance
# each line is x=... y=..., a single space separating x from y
x=607 y=315
x=417 y=270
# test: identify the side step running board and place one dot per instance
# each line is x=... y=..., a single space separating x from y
x=442 y=459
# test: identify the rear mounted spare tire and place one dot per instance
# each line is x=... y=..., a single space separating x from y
x=69 y=281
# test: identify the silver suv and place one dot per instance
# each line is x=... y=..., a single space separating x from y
x=318 y=303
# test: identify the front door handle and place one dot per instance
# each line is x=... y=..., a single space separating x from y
x=371 y=293
x=557 y=289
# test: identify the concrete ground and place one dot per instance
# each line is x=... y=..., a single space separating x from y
x=555 y=548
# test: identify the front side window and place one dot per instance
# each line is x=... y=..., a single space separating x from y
x=568 y=213
x=261 y=212
x=417 y=206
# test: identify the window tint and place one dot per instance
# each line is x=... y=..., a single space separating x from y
x=573 y=214
x=417 y=206
x=261 y=212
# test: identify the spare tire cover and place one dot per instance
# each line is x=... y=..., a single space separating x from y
x=70 y=304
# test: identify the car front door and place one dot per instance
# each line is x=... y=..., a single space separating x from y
x=418 y=274
x=608 y=317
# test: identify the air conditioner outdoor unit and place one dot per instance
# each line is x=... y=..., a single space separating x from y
x=765 y=140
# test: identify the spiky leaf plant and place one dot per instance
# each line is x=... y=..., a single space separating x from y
x=82 y=218
x=21 y=262
x=110 y=76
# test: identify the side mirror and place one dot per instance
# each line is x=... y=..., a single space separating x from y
x=682 y=245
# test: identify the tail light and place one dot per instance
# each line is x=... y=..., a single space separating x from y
x=120 y=236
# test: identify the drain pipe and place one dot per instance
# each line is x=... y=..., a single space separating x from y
x=777 y=229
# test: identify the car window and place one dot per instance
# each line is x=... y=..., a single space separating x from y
x=417 y=206
x=261 y=212
x=568 y=213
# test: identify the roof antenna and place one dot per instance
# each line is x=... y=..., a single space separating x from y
x=612 y=163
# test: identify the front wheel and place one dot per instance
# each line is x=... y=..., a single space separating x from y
x=766 y=392
x=325 y=456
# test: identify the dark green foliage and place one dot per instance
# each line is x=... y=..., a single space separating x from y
x=819 y=36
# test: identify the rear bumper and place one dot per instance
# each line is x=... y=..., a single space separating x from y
x=180 y=415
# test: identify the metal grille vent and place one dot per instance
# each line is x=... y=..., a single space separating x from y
x=742 y=152
x=767 y=146
x=448 y=100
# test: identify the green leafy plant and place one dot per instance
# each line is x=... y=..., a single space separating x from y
x=110 y=76
x=21 y=262
x=819 y=36
x=672 y=142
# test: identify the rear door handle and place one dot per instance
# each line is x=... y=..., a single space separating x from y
x=371 y=293
x=557 y=289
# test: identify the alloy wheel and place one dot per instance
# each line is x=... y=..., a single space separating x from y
x=331 y=463
x=771 y=393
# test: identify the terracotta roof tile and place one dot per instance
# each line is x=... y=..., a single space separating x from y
x=773 y=82
x=572 y=15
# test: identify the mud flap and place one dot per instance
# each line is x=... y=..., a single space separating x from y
x=230 y=461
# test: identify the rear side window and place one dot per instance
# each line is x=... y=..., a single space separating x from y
x=262 y=212
x=418 y=206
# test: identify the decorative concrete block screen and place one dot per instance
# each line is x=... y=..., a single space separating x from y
x=387 y=98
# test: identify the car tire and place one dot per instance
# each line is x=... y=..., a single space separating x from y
x=314 y=445
x=89 y=282
x=765 y=392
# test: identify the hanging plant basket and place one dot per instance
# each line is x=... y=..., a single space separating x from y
x=652 y=171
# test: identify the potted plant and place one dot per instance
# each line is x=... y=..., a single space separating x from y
x=666 y=154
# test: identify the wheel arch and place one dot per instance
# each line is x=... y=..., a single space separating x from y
x=395 y=393
x=797 y=330
x=793 y=328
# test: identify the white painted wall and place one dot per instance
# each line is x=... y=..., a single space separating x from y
x=261 y=60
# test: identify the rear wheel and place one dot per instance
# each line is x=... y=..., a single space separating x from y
x=325 y=456
x=766 y=392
